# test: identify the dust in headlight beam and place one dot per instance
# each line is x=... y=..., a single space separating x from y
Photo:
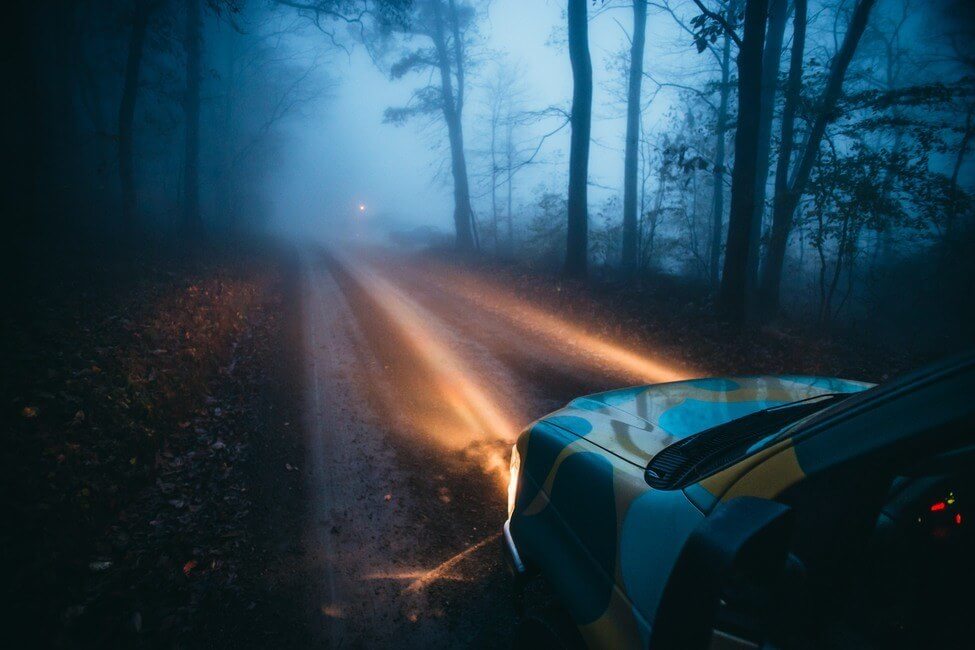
x=419 y=579
x=518 y=310
x=486 y=431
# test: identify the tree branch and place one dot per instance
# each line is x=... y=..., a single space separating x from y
x=718 y=18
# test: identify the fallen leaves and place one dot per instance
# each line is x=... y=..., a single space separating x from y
x=129 y=446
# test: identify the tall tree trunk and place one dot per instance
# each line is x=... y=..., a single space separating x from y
x=827 y=292
x=644 y=174
x=192 y=220
x=953 y=182
x=658 y=202
x=769 y=281
x=126 y=112
x=778 y=12
x=59 y=106
x=459 y=58
x=717 y=198
x=509 y=162
x=458 y=50
x=630 y=162
x=789 y=192
x=228 y=174
x=452 y=106
x=495 y=117
x=577 y=238
x=732 y=297
x=509 y=155
x=885 y=239
x=24 y=142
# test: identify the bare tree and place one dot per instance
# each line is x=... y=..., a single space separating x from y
x=647 y=225
x=192 y=223
x=887 y=38
x=504 y=116
x=496 y=99
x=126 y=114
x=447 y=27
x=778 y=12
x=732 y=296
x=722 y=56
x=577 y=233
x=789 y=189
x=511 y=159
x=631 y=163
x=720 y=167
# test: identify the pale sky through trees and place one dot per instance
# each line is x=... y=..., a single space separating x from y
x=392 y=168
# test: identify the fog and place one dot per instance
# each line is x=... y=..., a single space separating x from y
x=323 y=120
x=340 y=153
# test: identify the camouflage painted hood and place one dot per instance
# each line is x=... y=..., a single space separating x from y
x=636 y=423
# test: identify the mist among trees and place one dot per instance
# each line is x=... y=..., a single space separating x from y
x=792 y=157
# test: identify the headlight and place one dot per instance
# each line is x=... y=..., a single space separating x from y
x=513 y=469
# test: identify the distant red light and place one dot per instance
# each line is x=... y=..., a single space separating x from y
x=958 y=519
x=940 y=505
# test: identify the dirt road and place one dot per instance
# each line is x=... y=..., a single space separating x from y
x=420 y=377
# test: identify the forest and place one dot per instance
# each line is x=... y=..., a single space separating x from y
x=194 y=188
x=160 y=120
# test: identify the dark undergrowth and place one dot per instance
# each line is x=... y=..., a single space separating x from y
x=151 y=435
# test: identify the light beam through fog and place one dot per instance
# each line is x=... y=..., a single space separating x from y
x=559 y=330
x=483 y=421
x=482 y=426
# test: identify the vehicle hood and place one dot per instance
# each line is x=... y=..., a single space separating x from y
x=636 y=423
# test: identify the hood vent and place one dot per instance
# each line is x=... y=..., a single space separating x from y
x=689 y=460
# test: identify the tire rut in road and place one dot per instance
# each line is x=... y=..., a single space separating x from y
x=446 y=586
x=347 y=513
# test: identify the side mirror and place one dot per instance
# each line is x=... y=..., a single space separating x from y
x=743 y=540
